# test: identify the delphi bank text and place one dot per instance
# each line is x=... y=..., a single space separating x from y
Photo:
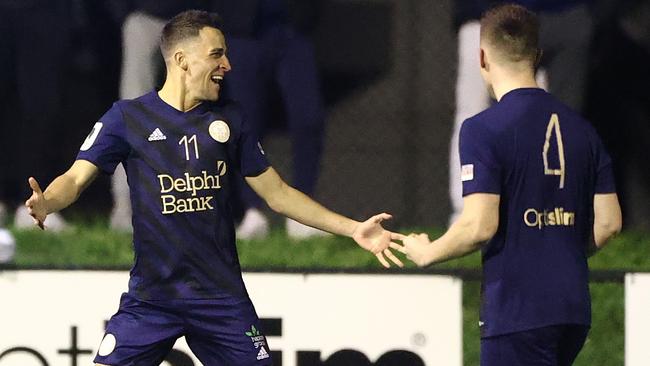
x=188 y=184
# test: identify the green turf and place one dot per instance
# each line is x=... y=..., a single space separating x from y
x=94 y=245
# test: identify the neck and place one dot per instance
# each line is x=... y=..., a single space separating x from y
x=505 y=81
x=176 y=94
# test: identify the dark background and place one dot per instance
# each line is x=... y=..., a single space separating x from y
x=388 y=75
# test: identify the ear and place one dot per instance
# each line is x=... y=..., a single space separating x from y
x=483 y=60
x=180 y=60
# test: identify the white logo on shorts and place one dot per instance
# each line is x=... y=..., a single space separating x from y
x=107 y=346
x=219 y=131
x=262 y=354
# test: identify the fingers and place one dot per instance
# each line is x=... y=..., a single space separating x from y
x=37 y=221
x=381 y=217
x=397 y=236
x=33 y=184
x=40 y=223
x=382 y=260
x=399 y=248
x=393 y=258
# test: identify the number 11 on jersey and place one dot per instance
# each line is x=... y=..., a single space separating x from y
x=554 y=126
x=187 y=143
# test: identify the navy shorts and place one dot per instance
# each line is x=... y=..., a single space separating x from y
x=556 y=345
x=218 y=331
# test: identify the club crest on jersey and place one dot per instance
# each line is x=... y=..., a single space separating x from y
x=219 y=131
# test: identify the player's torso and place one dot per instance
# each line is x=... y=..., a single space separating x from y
x=180 y=173
x=549 y=168
x=183 y=161
x=538 y=253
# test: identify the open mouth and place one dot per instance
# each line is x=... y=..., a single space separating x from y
x=217 y=79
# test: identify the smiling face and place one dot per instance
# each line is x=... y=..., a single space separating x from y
x=206 y=64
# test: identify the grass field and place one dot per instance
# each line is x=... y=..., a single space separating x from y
x=91 y=244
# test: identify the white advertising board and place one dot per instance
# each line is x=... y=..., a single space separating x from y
x=637 y=319
x=56 y=318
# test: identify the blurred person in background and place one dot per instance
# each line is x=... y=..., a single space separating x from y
x=539 y=199
x=7 y=240
x=270 y=45
x=34 y=53
x=183 y=147
x=565 y=36
x=619 y=102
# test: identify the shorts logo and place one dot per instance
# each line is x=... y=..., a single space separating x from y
x=467 y=172
x=219 y=131
x=107 y=346
x=258 y=341
x=262 y=354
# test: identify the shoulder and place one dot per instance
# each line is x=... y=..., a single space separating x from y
x=231 y=111
x=114 y=116
x=480 y=124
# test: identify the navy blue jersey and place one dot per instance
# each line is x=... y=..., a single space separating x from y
x=546 y=163
x=180 y=168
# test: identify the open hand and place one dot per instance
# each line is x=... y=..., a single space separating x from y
x=36 y=204
x=371 y=236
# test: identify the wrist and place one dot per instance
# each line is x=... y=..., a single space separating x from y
x=352 y=228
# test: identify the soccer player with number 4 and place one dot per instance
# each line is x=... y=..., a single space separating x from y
x=538 y=187
x=183 y=148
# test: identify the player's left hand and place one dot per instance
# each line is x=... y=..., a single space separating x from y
x=415 y=246
x=371 y=236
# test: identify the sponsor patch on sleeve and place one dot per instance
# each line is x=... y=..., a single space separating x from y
x=467 y=172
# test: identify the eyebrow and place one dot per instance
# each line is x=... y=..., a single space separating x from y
x=218 y=50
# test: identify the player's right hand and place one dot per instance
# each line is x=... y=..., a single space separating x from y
x=36 y=204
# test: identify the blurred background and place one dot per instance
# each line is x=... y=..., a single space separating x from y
x=386 y=72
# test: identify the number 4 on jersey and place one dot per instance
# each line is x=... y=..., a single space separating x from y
x=554 y=126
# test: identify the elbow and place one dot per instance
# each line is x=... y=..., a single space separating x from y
x=486 y=231
x=278 y=201
x=482 y=229
x=486 y=227
x=275 y=204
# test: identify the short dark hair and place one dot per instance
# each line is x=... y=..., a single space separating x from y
x=513 y=31
x=186 y=25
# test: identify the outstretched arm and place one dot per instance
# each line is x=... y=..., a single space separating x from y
x=477 y=223
x=284 y=199
x=61 y=193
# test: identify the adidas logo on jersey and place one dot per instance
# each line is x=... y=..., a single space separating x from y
x=262 y=354
x=157 y=135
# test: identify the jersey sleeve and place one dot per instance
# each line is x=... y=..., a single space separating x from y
x=480 y=169
x=605 y=182
x=252 y=159
x=106 y=145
